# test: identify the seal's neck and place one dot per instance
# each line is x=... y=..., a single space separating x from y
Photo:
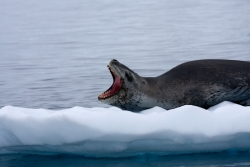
x=153 y=93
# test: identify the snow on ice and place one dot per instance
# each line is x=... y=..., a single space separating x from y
x=112 y=132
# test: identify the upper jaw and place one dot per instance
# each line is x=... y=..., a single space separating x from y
x=112 y=66
x=117 y=82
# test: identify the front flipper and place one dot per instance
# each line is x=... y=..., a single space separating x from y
x=239 y=95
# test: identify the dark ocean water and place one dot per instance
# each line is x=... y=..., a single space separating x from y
x=224 y=159
x=53 y=55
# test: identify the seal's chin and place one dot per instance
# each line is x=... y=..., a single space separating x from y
x=115 y=87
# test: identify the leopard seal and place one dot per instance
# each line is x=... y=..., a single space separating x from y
x=202 y=83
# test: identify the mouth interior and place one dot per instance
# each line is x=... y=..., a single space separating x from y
x=115 y=87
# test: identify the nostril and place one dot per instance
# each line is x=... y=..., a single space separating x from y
x=114 y=61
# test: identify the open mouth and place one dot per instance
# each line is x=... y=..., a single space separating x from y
x=115 y=87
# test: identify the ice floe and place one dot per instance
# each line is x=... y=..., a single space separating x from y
x=112 y=132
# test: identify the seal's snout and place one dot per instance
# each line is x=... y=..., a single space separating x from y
x=114 y=61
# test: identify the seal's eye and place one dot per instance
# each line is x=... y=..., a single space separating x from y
x=129 y=76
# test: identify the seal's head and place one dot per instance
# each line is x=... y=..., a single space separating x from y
x=125 y=90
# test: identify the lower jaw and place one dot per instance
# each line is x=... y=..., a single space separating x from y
x=108 y=97
x=117 y=98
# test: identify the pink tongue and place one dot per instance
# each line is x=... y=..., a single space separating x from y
x=116 y=86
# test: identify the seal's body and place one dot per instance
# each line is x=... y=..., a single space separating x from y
x=202 y=83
